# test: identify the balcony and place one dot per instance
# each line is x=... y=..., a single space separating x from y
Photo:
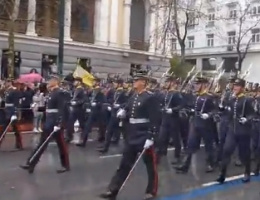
x=139 y=45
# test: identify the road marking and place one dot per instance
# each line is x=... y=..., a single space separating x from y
x=232 y=178
x=119 y=155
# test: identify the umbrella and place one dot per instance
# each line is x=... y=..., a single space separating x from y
x=30 y=78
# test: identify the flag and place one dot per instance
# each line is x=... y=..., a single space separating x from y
x=87 y=78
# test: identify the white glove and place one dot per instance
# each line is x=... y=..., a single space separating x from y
x=73 y=103
x=192 y=110
x=148 y=143
x=41 y=94
x=220 y=106
x=204 y=116
x=33 y=105
x=109 y=108
x=93 y=104
x=116 y=105
x=169 y=111
x=56 y=128
x=76 y=126
x=13 y=118
x=242 y=120
x=88 y=110
x=121 y=114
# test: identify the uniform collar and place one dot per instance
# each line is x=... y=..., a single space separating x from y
x=120 y=88
x=202 y=92
x=240 y=95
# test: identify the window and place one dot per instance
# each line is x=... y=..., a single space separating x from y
x=231 y=37
x=256 y=35
x=192 y=19
x=210 y=40
x=232 y=14
x=206 y=66
x=255 y=10
x=191 y=42
x=173 y=44
x=211 y=17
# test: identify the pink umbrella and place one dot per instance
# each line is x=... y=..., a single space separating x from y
x=30 y=78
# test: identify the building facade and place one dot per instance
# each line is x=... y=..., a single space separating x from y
x=219 y=29
x=111 y=35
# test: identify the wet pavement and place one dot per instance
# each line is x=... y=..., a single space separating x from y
x=90 y=173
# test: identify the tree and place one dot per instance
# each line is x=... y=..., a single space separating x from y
x=178 y=68
x=11 y=7
x=179 y=16
x=243 y=19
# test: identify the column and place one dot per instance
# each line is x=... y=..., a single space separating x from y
x=127 y=18
x=152 y=32
x=113 y=23
x=67 y=21
x=101 y=35
x=31 y=17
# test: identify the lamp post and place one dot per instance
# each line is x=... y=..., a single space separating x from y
x=237 y=69
x=61 y=36
x=212 y=61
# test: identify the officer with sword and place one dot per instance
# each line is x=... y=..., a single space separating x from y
x=51 y=129
x=142 y=112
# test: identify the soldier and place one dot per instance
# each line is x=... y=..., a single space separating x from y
x=256 y=131
x=142 y=111
x=12 y=98
x=113 y=125
x=54 y=114
x=170 y=126
x=200 y=126
x=223 y=124
x=95 y=114
x=241 y=113
x=76 y=108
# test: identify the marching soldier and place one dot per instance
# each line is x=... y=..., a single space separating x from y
x=12 y=99
x=200 y=126
x=142 y=111
x=241 y=113
x=170 y=126
x=54 y=114
x=95 y=114
x=76 y=108
x=113 y=125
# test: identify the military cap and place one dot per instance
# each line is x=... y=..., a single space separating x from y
x=201 y=80
x=141 y=75
x=119 y=81
x=78 y=79
x=54 y=77
x=129 y=81
x=240 y=82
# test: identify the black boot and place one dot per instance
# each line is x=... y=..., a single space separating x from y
x=183 y=169
x=222 y=177
x=176 y=161
x=246 y=178
x=210 y=164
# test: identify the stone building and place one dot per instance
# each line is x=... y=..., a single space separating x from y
x=111 y=35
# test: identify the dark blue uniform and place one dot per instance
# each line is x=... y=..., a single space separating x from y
x=170 y=125
x=76 y=110
x=54 y=113
x=12 y=99
x=143 y=111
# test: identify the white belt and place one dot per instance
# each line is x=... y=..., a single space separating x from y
x=9 y=104
x=138 y=120
x=52 y=110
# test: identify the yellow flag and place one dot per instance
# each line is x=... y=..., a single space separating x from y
x=87 y=78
